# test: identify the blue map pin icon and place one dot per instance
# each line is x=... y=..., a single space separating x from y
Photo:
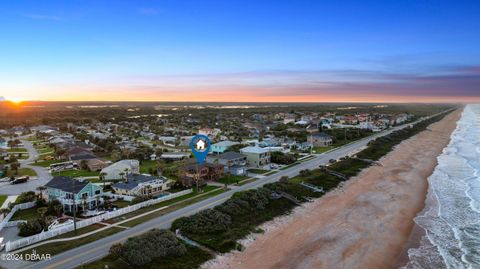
x=200 y=145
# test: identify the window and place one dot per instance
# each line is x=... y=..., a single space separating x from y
x=97 y=192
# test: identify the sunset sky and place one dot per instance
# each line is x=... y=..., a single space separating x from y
x=240 y=51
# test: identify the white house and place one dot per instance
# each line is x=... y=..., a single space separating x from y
x=120 y=169
x=209 y=131
x=142 y=185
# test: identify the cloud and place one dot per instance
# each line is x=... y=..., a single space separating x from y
x=149 y=11
x=445 y=84
x=43 y=17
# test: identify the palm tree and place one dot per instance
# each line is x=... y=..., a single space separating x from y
x=41 y=189
x=42 y=211
x=4 y=211
x=102 y=177
x=84 y=203
x=15 y=166
x=127 y=171
x=58 y=209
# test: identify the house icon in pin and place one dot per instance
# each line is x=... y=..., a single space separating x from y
x=200 y=145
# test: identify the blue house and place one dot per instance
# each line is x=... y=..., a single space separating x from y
x=3 y=143
x=69 y=191
x=222 y=146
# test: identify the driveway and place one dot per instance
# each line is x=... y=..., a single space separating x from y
x=43 y=176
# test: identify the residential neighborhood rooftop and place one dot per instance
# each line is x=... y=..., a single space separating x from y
x=66 y=184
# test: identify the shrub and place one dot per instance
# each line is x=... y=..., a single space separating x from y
x=30 y=227
x=245 y=202
x=26 y=197
x=206 y=221
x=142 y=249
x=282 y=158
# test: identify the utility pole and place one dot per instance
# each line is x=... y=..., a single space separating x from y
x=311 y=144
x=197 y=178
x=74 y=209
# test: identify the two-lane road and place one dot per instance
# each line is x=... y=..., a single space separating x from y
x=98 y=249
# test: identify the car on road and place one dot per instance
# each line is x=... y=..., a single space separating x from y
x=332 y=161
x=20 y=180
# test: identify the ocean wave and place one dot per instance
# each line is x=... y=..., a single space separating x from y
x=451 y=217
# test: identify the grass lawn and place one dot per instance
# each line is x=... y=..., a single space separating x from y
x=2 y=199
x=307 y=159
x=162 y=204
x=231 y=179
x=173 y=205
x=257 y=171
x=146 y=166
x=26 y=214
x=45 y=150
x=22 y=172
x=76 y=173
x=33 y=138
x=120 y=203
x=322 y=149
x=17 y=150
x=59 y=247
x=46 y=163
x=290 y=165
x=246 y=181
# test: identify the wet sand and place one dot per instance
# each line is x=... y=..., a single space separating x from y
x=365 y=224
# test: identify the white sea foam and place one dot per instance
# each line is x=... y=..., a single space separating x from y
x=451 y=217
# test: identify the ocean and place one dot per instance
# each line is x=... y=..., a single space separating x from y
x=451 y=217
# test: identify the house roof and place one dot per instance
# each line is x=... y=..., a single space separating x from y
x=225 y=144
x=83 y=156
x=230 y=155
x=175 y=154
x=121 y=165
x=322 y=135
x=134 y=180
x=76 y=150
x=193 y=166
x=257 y=150
x=66 y=184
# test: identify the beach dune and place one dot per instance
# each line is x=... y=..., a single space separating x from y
x=366 y=224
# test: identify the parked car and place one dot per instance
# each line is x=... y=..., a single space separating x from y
x=20 y=180
x=332 y=161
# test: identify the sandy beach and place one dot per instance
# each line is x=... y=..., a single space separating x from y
x=366 y=224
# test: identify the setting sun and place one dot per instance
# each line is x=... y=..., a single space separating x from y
x=15 y=100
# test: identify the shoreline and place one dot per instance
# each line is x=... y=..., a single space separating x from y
x=366 y=224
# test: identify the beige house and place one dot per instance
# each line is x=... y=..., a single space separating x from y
x=256 y=156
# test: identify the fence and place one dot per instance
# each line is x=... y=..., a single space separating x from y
x=12 y=245
x=119 y=196
x=15 y=208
